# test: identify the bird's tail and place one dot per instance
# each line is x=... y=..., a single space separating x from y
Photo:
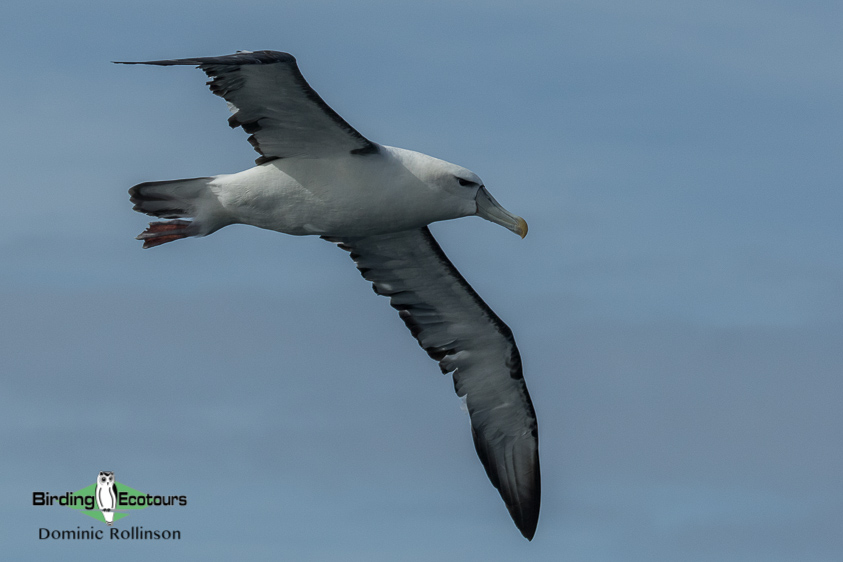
x=176 y=199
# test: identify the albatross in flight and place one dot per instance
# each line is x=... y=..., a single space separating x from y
x=317 y=175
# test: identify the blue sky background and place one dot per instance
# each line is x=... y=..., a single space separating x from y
x=677 y=302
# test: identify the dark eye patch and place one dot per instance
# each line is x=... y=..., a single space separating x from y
x=465 y=183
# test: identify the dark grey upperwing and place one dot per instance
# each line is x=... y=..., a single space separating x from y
x=455 y=327
x=273 y=102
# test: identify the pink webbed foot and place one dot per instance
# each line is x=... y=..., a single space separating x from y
x=158 y=233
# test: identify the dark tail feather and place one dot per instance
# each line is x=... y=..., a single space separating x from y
x=169 y=199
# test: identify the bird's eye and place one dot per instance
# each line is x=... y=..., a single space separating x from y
x=465 y=183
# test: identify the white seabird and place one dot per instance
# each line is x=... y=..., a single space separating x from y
x=317 y=175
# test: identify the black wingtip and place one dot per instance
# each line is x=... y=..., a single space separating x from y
x=238 y=58
x=523 y=502
x=526 y=515
x=528 y=524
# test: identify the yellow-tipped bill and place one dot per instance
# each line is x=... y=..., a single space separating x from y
x=493 y=211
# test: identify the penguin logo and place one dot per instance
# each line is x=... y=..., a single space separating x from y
x=106 y=495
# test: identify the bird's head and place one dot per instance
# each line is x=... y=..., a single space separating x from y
x=487 y=207
x=463 y=187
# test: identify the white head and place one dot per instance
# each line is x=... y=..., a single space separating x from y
x=463 y=184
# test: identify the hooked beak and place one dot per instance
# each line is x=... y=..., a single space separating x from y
x=491 y=210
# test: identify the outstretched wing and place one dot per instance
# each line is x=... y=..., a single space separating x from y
x=453 y=324
x=272 y=101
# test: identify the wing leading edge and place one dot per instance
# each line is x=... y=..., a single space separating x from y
x=456 y=328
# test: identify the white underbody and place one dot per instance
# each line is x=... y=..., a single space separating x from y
x=346 y=195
